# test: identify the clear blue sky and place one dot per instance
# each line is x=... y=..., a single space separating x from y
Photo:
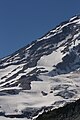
x=22 y=21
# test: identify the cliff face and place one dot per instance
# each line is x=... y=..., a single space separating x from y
x=70 y=111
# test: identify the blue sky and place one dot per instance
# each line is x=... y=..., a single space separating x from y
x=22 y=21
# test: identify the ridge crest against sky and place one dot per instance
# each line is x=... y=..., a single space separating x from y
x=22 y=21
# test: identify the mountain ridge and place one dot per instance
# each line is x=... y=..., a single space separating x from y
x=42 y=75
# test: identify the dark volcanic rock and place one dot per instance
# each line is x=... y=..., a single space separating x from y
x=68 y=112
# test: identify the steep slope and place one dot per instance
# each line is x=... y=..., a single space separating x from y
x=68 y=112
x=43 y=75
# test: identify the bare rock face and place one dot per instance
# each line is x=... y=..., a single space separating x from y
x=71 y=111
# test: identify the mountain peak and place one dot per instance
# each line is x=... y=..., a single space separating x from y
x=43 y=75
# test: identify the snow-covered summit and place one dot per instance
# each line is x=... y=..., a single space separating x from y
x=43 y=75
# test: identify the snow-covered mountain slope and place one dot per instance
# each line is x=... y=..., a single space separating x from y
x=42 y=76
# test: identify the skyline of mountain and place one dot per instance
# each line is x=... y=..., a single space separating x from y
x=22 y=21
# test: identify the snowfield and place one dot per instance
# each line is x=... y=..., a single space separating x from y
x=51 y=91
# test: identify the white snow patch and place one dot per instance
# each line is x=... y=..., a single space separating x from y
x=73 y=18
x=4 y=118
x=51 y=60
